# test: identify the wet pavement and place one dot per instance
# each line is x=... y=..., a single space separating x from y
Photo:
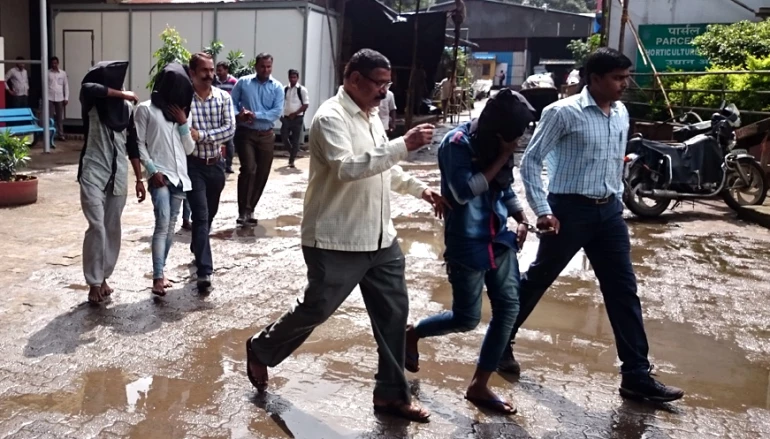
x=175 y=368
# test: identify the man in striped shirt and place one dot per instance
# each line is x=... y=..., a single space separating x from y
x=582 y=140
x=213 y=125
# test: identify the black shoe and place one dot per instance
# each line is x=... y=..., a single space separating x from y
x=204 y=283
x=508 y=363
x=250 y=219
x=644 y=386
x=230 y=171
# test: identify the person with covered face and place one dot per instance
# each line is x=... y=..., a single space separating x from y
x=103 y=170
x=476 y=163
x=165 y=140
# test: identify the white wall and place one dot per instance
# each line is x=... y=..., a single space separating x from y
x=319 y=71
x=250 y=30
x=677 y=12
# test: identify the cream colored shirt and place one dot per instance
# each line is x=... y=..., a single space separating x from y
x=353 y=168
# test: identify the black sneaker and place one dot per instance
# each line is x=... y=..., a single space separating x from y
x=646 y=387
x=508 y=363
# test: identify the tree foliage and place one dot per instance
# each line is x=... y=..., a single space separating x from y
x=581 y=49
x=732 y=45
x=172 y=50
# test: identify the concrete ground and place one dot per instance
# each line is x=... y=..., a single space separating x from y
x=175 y=368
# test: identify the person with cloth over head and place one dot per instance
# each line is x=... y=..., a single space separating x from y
x=165 y=140
x=476 y=163
x=103 y=170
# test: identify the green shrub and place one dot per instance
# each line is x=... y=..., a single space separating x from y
x=732 y=45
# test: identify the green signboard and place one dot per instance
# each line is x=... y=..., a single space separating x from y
x=669 y=46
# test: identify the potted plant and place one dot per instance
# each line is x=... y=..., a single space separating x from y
x=15 y=189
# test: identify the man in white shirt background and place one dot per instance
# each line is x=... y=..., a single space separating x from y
x=17 y=84
x=164 y=140
x=387 y=112
x=348 y=237
x=295 y=104
x=58 y=95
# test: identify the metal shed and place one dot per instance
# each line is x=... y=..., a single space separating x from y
x=299 y=34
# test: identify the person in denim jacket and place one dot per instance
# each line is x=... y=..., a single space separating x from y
x=476 y=163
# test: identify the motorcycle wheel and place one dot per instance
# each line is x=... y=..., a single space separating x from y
x=638 y=205
x=735 y=188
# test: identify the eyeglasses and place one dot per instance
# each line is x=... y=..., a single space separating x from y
x=384 y=85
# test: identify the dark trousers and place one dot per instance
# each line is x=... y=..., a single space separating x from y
x=255 y=150
x=18 y=102
x=291 y=135
x=601 y=231
x=230 y=154
x=332 y=275
x=208 y=181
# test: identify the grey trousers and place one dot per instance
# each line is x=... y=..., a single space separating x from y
x=101 y=245
x=332 y=275
x=56 y=110
x=291 y=135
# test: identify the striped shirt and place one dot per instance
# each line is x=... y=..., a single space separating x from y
x=226 y=85
x=583 y=150
x=214 y=118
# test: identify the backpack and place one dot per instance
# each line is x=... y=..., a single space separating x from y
x=286 y=93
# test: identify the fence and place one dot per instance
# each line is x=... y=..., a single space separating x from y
x=654 y=97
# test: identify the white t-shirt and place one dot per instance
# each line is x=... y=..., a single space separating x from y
x=386 y=106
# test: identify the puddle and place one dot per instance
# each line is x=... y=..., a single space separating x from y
x=283 y=227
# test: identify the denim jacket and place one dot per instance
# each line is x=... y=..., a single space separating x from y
x=475 y=228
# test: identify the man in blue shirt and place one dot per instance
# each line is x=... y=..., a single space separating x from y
x=582 y=140
x=476 y=163
x=258 y=99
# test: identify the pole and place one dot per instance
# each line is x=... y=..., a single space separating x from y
x=44 y=76
x=605 y=34
x=623 y=21
x=410 y=92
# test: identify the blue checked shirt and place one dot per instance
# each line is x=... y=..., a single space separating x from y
x=264 y=99
x=583 y=150
x=214 y=119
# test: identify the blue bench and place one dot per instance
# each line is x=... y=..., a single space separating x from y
x=28 y=122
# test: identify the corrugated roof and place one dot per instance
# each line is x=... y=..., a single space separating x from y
x=166 y=2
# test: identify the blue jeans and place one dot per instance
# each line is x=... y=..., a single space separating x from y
x=207 y=184
x=503 y=290
x=601 y=231
x=166 y=202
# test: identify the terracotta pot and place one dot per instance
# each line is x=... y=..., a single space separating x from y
x=19 y=192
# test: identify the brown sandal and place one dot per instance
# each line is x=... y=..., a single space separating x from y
x=260 y=385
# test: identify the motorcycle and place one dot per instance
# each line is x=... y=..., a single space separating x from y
x=704 y=165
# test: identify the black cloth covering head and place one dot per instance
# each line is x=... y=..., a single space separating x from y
x=113 y=112
x=172 y=87
x=507 y=115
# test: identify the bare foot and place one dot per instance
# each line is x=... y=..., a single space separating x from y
x=106 y=289
x=401 y=409
x=158 y=287
x=95 y=295
x=483 y=397
x=166 y=283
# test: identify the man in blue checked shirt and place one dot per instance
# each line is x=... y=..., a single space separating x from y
x=258 y=99
x=476 y=162
x=582 y=140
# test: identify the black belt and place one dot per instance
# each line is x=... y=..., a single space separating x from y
x=208 y=162
x=586 y=200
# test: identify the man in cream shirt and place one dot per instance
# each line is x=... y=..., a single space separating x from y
x=348 y=238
